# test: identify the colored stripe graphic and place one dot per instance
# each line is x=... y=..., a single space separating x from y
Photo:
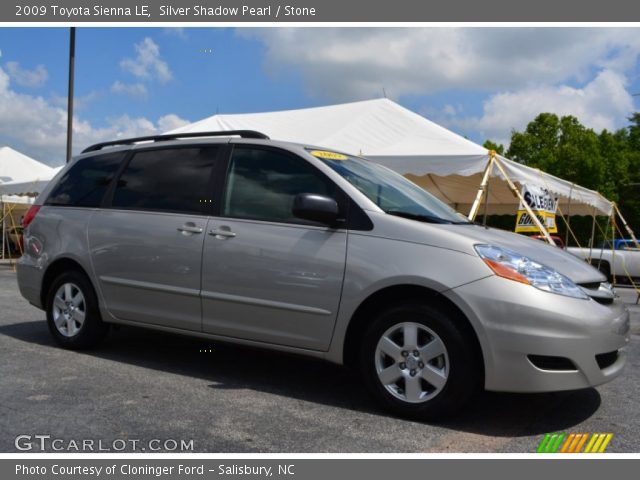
x=590 y=444
x=606 y=441
x=543 y=443
x=573 y=443
x=566 y=445
x=550 y=443
x=581 y=443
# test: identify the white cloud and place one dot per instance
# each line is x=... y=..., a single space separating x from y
x=175 y=32
x=520 y=72
x=135 y=90
x=342 y=64
x=602 y=103
x=147 y=64
x=449 y=109
x=171 y=122
x=37 y=126
x=27 y=78
x=80 y=102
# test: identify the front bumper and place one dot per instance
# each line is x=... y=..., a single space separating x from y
x=515 y=321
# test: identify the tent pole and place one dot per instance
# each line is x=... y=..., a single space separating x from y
x=566 y=235
x=481 y=191
x=526 y=206
x=486 y=205
x=4 y=230
x=593 y=232
x=613 y=246
x=626 y=225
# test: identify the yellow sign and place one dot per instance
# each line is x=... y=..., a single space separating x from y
x=542 y=202
x=328 y=155
x=524 y=223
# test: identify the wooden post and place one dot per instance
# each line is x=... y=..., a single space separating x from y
x=566 y=235
x=4 y=230
x=593 y=233
x=626 y=225
x=483 y=185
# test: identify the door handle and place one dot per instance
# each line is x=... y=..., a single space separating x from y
x=189 y=228
x=222 y=232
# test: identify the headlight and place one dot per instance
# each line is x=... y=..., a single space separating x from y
x=509 y=264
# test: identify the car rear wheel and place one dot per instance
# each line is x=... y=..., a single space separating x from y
x=418 y=362
x=73 y=316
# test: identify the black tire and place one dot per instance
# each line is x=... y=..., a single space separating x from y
x=464 y=370
x=92 y=330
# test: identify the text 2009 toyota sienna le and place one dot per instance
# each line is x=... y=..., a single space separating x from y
x=315 y=252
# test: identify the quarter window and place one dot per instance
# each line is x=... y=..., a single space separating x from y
x=171 y=180
x=86 y=182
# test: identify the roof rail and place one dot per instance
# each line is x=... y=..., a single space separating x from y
x=176 y=136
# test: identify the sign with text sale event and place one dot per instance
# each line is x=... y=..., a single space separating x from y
x=543 y=204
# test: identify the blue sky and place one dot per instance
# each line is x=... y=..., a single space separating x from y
x=480 y=82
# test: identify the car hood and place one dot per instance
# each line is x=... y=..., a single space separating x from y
x=463 y=238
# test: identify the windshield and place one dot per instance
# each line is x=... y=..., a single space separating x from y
x=392 y=192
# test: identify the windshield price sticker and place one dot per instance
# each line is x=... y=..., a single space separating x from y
x=328 y=155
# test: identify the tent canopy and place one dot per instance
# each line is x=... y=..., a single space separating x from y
x=437 y=159
x=17 y=167
x=22 y=175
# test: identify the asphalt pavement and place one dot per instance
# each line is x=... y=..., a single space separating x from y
x=142 y=389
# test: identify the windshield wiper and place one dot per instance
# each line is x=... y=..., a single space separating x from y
x=418 y=217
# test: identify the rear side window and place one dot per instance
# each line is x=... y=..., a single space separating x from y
x=86 y=182
x=262 y=184
x=171 y=180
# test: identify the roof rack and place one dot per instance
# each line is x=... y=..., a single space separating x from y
x=176 y=136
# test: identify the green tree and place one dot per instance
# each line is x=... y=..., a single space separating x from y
x=537 y=145
x=496 y=147
x=634 y=132
x=608 y=162
x=562 y=147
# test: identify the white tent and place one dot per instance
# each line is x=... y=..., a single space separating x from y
x=30 y=187
x=17 y=167
x=443 y=162
x=21 y=178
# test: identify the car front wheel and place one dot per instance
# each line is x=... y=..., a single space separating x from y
x=418 y=361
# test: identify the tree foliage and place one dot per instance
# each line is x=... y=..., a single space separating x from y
x=498 y=148
x=608 y=162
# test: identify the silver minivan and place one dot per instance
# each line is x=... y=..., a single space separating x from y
x=234 y=237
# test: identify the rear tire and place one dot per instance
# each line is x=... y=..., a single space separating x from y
x=418 y=362
x=72 y=310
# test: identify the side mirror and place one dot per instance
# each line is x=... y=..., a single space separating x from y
x=316 y=208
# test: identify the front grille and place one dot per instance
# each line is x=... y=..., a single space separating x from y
x=590 y=286
x=547 y=362
x=603 y=301
x=606 y=359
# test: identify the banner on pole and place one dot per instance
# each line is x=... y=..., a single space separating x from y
x=543 y=204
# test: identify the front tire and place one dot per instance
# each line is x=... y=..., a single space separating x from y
x=418 y=362
x=73 y=316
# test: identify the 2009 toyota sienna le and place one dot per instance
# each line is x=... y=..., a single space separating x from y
x=238 y=238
